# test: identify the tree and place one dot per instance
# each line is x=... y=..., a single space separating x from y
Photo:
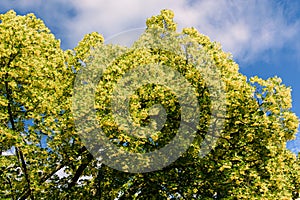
x=33 y=99
x=249 y=160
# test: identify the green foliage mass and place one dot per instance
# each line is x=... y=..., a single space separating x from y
x=249 y=161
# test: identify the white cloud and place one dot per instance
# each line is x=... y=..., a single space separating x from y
x=245 y=28
x=112 y=17
x=10 y=152
x=61 y=173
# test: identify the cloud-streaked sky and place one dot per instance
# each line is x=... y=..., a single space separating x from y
x=263 y=36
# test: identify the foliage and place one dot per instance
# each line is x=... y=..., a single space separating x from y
x=249 y=161
x=33 y=99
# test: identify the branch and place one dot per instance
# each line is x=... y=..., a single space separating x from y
x=19 y=153
x=80 y=170
x=47 y=176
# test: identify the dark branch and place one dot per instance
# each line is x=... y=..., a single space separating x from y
x=19 y=153
x=80 y=170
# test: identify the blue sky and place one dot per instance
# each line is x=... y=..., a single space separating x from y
x=263 y=36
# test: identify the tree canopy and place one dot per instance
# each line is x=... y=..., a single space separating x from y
x=238 y=147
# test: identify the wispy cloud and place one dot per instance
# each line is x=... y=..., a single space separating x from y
x=245 y=28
